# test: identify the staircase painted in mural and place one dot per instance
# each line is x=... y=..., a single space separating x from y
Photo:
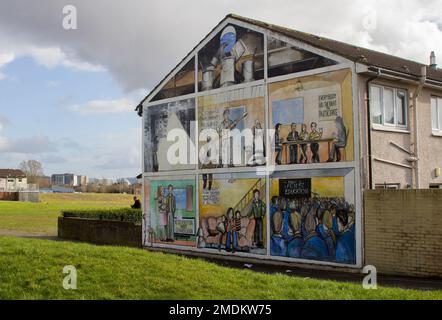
x=245 y=204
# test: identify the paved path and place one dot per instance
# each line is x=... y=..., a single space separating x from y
x=21 y=234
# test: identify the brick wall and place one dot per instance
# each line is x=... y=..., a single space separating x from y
x=403 y=231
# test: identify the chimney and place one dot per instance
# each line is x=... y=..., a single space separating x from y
x=433 y=64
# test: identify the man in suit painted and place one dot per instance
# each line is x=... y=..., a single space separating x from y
x=171 y=208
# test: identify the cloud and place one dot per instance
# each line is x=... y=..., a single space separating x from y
x=141 y=41
x=4 y=122
x=53 y=159
x=104 y=106
x=29 y=145
x=5 y=58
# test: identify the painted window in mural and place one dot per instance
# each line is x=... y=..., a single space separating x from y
x=235 y=55
x=181 y=84
x=159 y=121
x=232 y=213
x=311 y=218
x=285 y=59
x=237 y=119
x=313 y=119
x=172 y=212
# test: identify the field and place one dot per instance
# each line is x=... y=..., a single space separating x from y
x=32 y=269
x=41 y=218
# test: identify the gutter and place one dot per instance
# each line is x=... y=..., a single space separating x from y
x=369 y=139
x=416 y=94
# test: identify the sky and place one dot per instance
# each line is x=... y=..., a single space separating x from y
x=67 y=96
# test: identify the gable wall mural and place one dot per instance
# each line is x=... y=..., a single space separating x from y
x=304 y=208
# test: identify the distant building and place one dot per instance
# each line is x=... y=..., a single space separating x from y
x=12 y=180
x=69 y=179
x=102 y=181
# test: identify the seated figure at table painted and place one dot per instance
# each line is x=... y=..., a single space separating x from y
x=293 y=148
x=303 y=135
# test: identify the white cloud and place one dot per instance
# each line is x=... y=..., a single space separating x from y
x=104 y=106
x=52 y=57
x=5 y=58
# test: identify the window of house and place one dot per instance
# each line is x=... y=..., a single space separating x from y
x=388 y=106
x=388 y=186
x=436 y=114
x=435 y=186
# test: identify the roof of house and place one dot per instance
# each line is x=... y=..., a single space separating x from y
x=12 y=173
x=351 y=52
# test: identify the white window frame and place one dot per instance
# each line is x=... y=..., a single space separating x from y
x=437 y=99
x=385 y=124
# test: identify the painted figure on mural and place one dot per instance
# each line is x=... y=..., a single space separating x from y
x=303 y=135
x=324 y=229
x=295 y=241
x=314 y=134
x=232 y=234
x=230 y=51
x=345 y=244
x=258 y=212
x=340 y=140
x=314 y=246
x=293 y=136
x=278 y=143
x=161 y=209
x=277 y=241
x=258 y=152
x=170 y=208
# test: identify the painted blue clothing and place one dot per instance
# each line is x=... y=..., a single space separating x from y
x=232 y=239
x=314 y=248
x=273 y=209
x=294 y=247
x=285 y=224
x=335 y=226
x=345 y=247
x=326 y=235
x=278 y=246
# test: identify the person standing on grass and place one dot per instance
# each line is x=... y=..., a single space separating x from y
x=171 y=208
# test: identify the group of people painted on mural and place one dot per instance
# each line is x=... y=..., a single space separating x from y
x=317 y=228
x=230 y=225
x=295 y=138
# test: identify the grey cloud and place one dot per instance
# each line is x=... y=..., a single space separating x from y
x=53 y=159
x=140 y=41
x=28 y=145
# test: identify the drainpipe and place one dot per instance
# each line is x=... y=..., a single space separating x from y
x=370 y=156
x=415 y=142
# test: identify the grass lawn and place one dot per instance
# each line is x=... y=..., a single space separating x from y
x=42 y=217
x=32 y=269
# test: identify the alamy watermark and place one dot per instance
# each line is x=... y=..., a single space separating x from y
x=70 y=280
x=69 y=21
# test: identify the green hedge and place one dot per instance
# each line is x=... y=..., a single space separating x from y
x=114 y=214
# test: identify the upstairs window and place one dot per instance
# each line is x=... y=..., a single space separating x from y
x=436 y=114
x=388 y=106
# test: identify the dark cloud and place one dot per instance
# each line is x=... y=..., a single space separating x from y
x=140 y=41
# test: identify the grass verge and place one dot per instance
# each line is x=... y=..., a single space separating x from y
x=32 y=269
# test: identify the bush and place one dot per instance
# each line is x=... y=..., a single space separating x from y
x=117 y=214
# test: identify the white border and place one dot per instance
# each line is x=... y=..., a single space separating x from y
x=304 y=169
